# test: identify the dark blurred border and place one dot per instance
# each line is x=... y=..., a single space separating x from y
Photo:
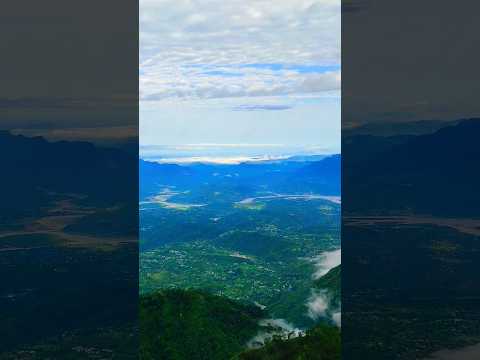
x=411 y=215
x=69 y=186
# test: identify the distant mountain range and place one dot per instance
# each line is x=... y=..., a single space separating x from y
x=321 y=176
x=67 y=296
x=33 y=169
x=409 y=274
x=431 y=173
x=387 y=128
x=434 y=173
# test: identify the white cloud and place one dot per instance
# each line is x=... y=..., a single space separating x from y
x=326 y=261
x=198 y=50
x=320 y=82
x=337 y=318
x=317 y=305
x=273 y=327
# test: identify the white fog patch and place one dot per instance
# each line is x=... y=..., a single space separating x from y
x=271 y=328
x=263 y=307
x=317 y=304
x=281 y=324
x=337 y=318
x=326 y=261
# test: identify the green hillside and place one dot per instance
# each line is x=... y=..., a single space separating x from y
x=194 y=325
x=331 y=282
x=319 y=343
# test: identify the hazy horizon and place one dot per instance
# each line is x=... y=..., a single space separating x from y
x=228 y=153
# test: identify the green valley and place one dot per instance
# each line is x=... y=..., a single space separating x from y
x=232 y=260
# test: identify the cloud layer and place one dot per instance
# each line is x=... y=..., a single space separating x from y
x=319 y=304
x=326 y=262
x=236 y=49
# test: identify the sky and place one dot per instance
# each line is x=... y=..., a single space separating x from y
x=240 y=72
x=232 y=71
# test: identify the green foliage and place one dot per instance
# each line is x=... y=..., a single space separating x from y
x=283 y=286
x=262 y=256
x=319 y=343
x=331 y=282
x=253 y=242
x=244 y=244
x=194 y=325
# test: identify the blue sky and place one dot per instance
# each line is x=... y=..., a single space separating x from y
x=240 y=72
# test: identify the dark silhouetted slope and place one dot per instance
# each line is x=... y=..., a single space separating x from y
x=33 y=169
x=436 y=173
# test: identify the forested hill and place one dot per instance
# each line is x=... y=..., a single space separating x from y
x=319 y=343
x=194 y=325
x=331 y=282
